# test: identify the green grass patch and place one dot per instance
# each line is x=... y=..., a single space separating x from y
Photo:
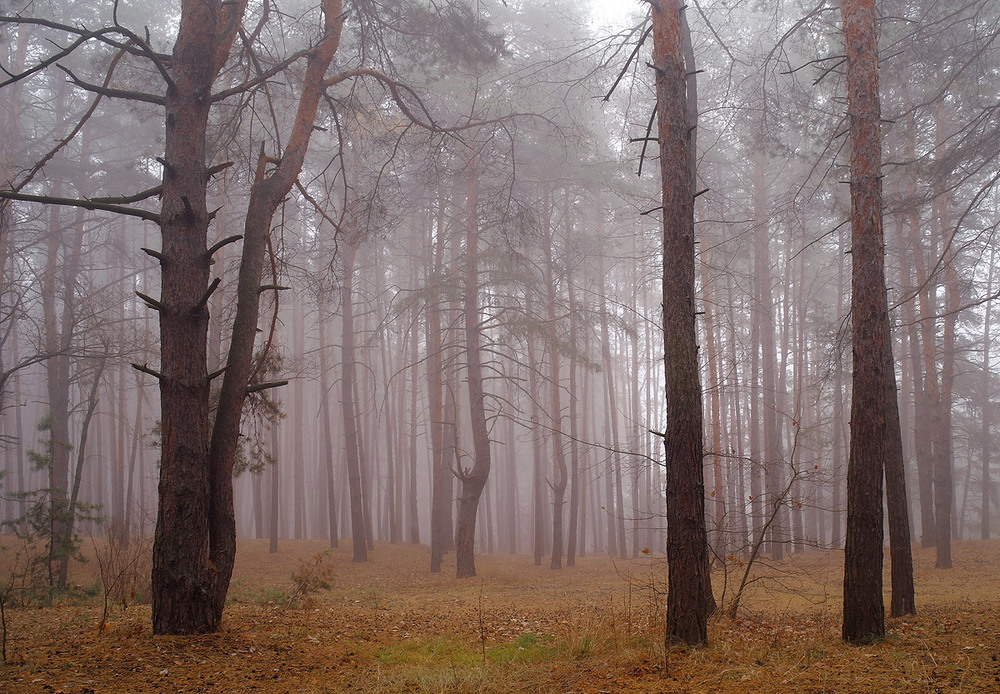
x=528 y=648
x=443 y=651
x=436 y=651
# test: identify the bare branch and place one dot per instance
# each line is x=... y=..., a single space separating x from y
x=146 y=370
x=224 y=242
x=261 y=77
x=83 y=203
x=628 y=62
x=111 y=92
x=395 y=90
x=264 y=386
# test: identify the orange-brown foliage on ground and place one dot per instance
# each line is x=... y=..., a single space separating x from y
x=390 y=626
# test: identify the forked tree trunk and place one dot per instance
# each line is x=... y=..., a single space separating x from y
x=183 y=592
x=688 y=582
x=473 y=479
x=195 y=544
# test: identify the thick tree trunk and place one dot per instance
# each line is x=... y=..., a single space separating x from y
x=182 y=578
x=871 y=429
x=687 y=547
x=195 y=544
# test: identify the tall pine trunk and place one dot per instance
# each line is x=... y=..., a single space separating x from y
x=688 y=582
x=874 y=419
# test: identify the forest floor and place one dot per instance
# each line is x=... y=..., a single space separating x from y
x=391 y=626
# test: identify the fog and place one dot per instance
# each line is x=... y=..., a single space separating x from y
x=474 y=243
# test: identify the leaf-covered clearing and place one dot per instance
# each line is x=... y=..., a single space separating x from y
x=390 y=626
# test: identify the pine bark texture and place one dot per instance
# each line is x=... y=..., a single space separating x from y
x=864 y=611
x=182 y=577
x=687 y=546
x=195 y=542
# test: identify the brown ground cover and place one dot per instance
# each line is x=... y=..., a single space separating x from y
x=390 y=626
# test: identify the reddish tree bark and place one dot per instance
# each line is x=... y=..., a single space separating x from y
x=874 y=419
x=689 y=582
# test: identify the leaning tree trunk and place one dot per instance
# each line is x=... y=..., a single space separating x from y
x=864 y=612
x=687 y=544
x=266 y=194
x=474 y=478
